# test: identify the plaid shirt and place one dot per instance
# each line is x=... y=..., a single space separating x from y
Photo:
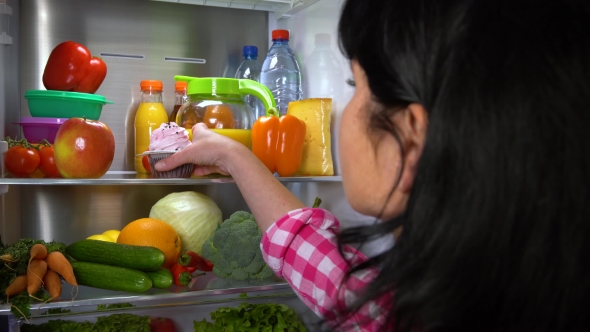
x=302 y=248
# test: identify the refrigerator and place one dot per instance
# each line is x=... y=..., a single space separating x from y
x=155 y=39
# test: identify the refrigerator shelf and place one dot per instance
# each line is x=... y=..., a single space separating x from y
x=132 y=178
x=281 y=8
x=206 y=290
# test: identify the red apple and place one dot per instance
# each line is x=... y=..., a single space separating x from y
x=83 y=148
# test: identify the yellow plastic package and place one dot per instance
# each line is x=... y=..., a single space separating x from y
x=317 y=149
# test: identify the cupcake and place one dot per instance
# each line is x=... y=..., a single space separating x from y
x=164 y=142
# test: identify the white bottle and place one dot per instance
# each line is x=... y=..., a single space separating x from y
x=324 y=78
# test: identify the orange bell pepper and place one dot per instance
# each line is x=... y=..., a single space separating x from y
x=278 y=142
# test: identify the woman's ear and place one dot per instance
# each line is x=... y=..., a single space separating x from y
x=413 y=124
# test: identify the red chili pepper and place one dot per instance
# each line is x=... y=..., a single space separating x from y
x=194 y=260
x=188 y=259
x=181 y=275
x=205 y=265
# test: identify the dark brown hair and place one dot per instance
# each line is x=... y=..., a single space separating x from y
x=497 y=226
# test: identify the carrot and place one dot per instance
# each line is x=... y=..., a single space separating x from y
x=35 y=274
x=52 y=284
x=57 y=262
x=38 y=251
x=18 y=285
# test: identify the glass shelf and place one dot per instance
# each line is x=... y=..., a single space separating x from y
x=281 y=8
x=204 y=289
x=132 y=178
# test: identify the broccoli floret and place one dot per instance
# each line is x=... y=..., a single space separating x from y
x=241 y=216
x=234 y=249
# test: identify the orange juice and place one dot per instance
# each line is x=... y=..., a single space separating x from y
x=243 y=136
x=149 y=117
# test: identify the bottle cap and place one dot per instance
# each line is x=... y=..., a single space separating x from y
x=151 y=85
x=180 y=86
x=280 y=34
x=250 y=50
x=322 y=39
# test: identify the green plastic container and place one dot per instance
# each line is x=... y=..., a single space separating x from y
x=64 y=104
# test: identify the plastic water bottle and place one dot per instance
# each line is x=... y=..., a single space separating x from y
x=280 y=71
x=250 y=69
x=323 y=70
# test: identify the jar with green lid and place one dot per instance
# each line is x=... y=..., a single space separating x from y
x=219 y=103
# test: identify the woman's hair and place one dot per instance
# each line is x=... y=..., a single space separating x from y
x=498 y=222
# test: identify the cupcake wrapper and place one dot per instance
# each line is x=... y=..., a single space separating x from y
x=183 y=171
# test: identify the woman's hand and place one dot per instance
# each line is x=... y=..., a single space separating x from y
x=267 y=198
x=209 y=152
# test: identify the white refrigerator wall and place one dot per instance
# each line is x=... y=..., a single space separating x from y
x=9 y=44
x=9 y=104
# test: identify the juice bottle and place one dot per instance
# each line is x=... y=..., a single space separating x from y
x=150 y=115
x=180 y=99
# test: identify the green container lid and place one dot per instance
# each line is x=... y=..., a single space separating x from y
x=79 y=96
x=65 y=104
x=211 y=86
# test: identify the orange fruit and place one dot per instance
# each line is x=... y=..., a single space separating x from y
x=156 y=233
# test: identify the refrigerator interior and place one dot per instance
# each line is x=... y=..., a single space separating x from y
x=144 y=39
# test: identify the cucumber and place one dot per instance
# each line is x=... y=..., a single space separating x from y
x=111 y=277
x=161 y=278
x=110 y=253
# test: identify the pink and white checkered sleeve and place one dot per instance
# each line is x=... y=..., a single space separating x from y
x=302 y=248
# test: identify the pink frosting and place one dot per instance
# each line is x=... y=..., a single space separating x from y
x=169 y=137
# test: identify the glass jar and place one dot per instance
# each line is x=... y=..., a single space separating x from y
x=219 y=103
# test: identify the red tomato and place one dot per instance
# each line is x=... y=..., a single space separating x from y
x=47 y=164
x=21 y=162
x=71 y=67
x=146 y=164
x=95 y=74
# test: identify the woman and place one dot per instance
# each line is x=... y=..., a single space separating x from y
x=467 y=129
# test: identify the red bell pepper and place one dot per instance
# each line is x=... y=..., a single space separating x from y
x=96 y=71
x=71 y=67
